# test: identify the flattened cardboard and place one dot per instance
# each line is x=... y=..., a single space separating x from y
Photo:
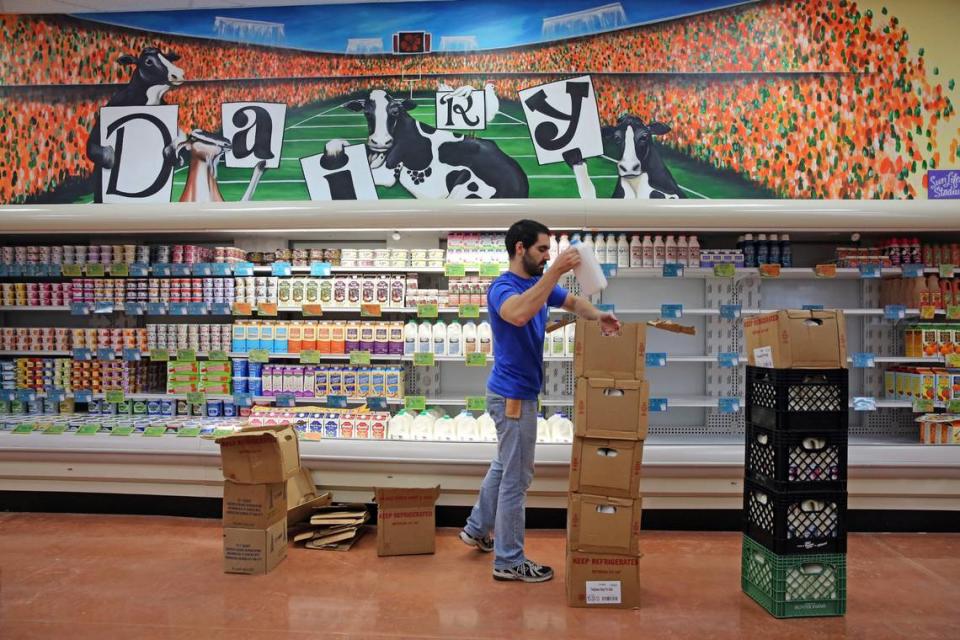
x=254 y=551
x=794 y=339
x=406 y=520
x=253 y=506
x=340 y=514
x=337 y=541
x=598 y=524
x=260 y=455
x=603 y=581
x=302 y=497
x=606 y=467
x=617 y=356
x=612 y=408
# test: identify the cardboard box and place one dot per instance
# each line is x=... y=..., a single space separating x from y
x=302 y=497
x=254 y=551
x=603 y=581
x=253 y=506
x=598 y=524
x=612 y=408
x=617 y=356
x=606 y=467
x=795 y=339
x=406 y=521
x=260 y=455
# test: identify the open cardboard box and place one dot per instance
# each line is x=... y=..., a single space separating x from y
x=794 y=339
x=406 y=520
x=621 y=355
x=302 y=497
x=260 y=455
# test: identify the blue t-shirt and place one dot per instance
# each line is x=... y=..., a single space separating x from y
x=518 y=351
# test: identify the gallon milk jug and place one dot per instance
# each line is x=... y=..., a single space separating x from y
x=424 y=337
x=439 y=338
x=563 y=430
x=543 y=430
x=454 y=340
x=399 y=426
x=488 y=428
x=468 y=430
x=444 y=429
x=469 y=337
x=485 y=338
x=558 y=341
x=422 y=428
x=410 y=338
x=570 y=338
x=589 y=274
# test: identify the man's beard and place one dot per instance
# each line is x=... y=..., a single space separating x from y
x=531 y=267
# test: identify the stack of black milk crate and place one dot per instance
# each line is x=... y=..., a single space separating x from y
x=795 y=465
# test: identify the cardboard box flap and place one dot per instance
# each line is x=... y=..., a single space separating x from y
x=406 y=498
x=300 y=489
x=260 y=455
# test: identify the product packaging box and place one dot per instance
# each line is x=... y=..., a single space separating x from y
x=600 y=524
x=795 y=339
x=612 y=408
x=406 y=520
x=302 y=497
x=606 y=467
x=254 y=551
x=622 y=355
x=603 y=581
x=253 y=506
x=260 y=455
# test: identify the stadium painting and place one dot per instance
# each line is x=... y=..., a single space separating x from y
x=823 y=99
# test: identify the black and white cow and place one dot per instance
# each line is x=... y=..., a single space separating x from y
x=427 y=162
x=154 y=75
x=641 y=172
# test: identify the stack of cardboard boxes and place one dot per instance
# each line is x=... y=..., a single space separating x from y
x=264 y=488
x=603 y=517
x=795 y=463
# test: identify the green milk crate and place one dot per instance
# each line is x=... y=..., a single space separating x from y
x=795 y=586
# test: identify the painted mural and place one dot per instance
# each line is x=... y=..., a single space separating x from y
x=827 y=99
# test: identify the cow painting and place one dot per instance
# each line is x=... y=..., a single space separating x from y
x=641 y=172
x=154 y=74
x=427 y=162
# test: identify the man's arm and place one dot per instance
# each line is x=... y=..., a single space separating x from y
x=518 y=309
x=584 y=309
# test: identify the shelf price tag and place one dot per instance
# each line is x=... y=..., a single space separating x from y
x=159 y=355
x=490 y=270
x=121 y=431
x=281 y=269
x=869 y=271
x=156 y=309
x=24 y=428
x=912 y=270
x=196 y=397
x=825 y=271
x=26 y=395
x=724 y=270
x=82 y=395
x=114 y=396
x=671 y=310
x=656 y=359
x=267 y=309
x=371 y=310
x=133 y=308
x=953 y=360
x=160 y=269
x=286 y=400
x=953 y=406
x=95 y=270
x=672 y=270
x=79 y=309
x=56 y=395
x=377 y=403
x=310 y=356
x=103 y=307
x=609 y=269
x=119 y=270
x=197 y=308
x=138 y=270
x=415 y=403
x=312 y=310
x=132 y=355
x=728 y=404
x=204 y=269
x=82 y=354
x=243 y=269
x=863 y=360
x=55 y=430
x=189 y=432
x=813 y=307
x=928 y=312
x=657 y=405
x=220 y=269
x=320 y=269
x=186 y=355
x=862 y=403
x=360 y=357
x=476 y=359
x=258 y=355
x=469 y=311
x=423 y=360
x=427 y=311
x=337 y=402
x=242 y=308
x=894 y=312
x=606 y=307
x=476 y=403
x=946 y=270
x=242 y=399
x=922 y=405
x=180 y=270
x=769 y=271
x=154 y=432
x=106 y=354
x=88 y=429
x=178 y=309
x=728 y=359
x=220 y=309
x=71 y=270
x=454 y=270
x=953 y=312
x=218 y=355
x=730 y=311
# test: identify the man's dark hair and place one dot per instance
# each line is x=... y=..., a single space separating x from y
x=525 y=231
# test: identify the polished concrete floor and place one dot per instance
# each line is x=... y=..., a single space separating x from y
x=77 y=577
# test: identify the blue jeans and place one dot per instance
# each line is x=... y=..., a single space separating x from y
x=503 y=493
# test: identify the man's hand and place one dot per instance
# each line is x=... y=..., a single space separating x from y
x=608 y=323
x=566 y=261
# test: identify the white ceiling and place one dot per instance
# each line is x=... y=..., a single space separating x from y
x=84 y=6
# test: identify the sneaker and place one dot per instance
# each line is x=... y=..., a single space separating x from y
x=484 y=544
x=526 y=571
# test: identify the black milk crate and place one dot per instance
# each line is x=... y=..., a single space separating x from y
x=796 y=460
x=792 y=523
x=791 y=399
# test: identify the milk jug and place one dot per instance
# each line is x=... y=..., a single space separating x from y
x=444 y=429
x=454 y=340
x=410 y=338
x=439 y=338
x=424 y=337
x=485 y=338
x=488 y=428
x=467 y=428
x=588 y=273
